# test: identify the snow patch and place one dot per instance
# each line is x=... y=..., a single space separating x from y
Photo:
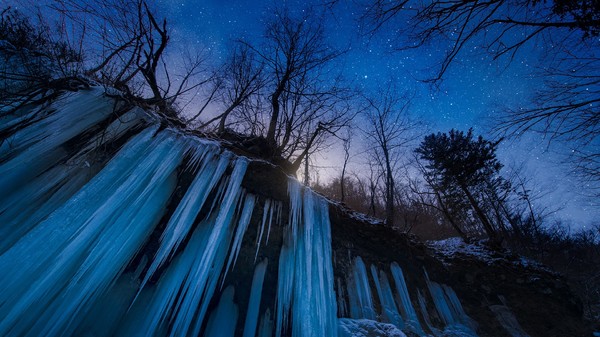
x=367 y=328
x=453 y=248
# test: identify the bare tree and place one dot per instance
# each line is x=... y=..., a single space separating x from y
x=243 y=78
x=309 y=102
x=295 y=54
x=390 y=129
x=127 y=48
x=346 y=142
x=566 y=109
x=432 y=197
x=503 y=27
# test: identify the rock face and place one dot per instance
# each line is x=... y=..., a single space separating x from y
x=502 y=294
x=113 y=222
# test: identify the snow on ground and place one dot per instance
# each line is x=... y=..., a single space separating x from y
x=367 y=328
x=455 y=247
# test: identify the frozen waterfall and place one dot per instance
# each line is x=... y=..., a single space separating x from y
x=113 y=225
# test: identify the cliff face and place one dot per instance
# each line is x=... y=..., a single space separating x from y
x=502 y=294
x=112 y=222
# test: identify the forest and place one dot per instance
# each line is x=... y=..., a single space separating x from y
x=285 y=98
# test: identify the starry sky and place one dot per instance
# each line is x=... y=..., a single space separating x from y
x=469 y=94
x=473 y=92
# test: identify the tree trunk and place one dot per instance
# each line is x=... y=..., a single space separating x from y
x=306 y=177
x=487 y=226
x=389 y=200
x=449 y=217
x=342 y=179
x=224 y=116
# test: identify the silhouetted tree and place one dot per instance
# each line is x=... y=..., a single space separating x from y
x=458 y=164
x=308 y=101
x=390 y=129
x=126 y=46
x=295 y=48
x=241 y=80
x=346 y=145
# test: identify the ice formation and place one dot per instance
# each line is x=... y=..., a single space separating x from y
x=405 y=304
x=359 y=292
x=449 y=308
x=389 y=310
x=97 y=224
x=394 y=304
x=365 y=328
x=113 y=224
x=305 y=290
x=254 y=301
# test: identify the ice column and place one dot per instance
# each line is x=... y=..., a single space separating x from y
x=191 y=279
x=359 y=292
x=410 y=315
x=223 y=319
x=64 y=263
x=39 y=146
x=386 y=298
x=305 y=286
x=212 y=165
x=34 y=192
x=254 y=301
x=449 y=308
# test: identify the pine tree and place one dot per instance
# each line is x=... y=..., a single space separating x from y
x=458 y=168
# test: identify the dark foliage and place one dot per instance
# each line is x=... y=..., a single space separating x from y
x=17 y=29
x=460 y=169
x=458 y=158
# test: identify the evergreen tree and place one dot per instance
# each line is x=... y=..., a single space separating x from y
x=460 y=169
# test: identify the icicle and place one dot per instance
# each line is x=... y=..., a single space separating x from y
x=27 y=258
x=188 y=284
x=209 y=174
x=359 y=292
x=82 y=263
x=386 y=298
x=30 y=203
x=104 y=317
x=325 y=295
x=425 y=313
x=457 y=310
x=255 y=299
x=285 y=283
x=262 y=226
x=305 y=286
x=35 y=201
x=36 y=148
x=277 y=218
x=223 y=319
x=241 y=230
x=508 y=320
x=203 y=280
x=154 y=307
x=266 y=325
x=410 y=315
x=449 y=308
x=341 y=301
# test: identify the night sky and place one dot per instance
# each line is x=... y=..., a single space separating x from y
x=474 y=90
